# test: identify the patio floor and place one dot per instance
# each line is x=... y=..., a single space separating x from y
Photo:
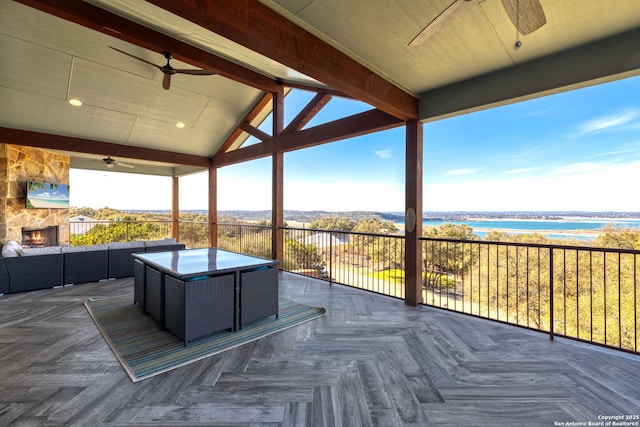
x=370 y=360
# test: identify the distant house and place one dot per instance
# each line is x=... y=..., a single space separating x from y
x=325 y=240
x=81 y=224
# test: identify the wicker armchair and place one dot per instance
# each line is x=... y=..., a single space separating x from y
x=195 y=309
x=139 y=285
x=258 y=294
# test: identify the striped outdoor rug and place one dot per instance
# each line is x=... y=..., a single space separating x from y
x=145 y=351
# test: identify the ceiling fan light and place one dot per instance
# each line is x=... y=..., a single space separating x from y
x=75 y=102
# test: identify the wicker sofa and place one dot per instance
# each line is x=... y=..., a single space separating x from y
x=44 y=268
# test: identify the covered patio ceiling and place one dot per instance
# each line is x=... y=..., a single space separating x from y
x=55 y=50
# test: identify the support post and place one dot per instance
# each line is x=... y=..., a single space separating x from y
x=213 y=207
x=277 y=180
x=551 y=297
x=413 y=213
x=175 y=208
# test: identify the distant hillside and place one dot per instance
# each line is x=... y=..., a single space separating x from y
x=310 y=216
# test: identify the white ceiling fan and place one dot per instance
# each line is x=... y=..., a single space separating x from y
x=526 y=15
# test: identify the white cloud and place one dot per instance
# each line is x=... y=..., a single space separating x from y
x=383 y=154
x=243 y=193
x=608 y=122
x=523 y=170
x=96 y=189
x=613 y=153
x=577 y=168
x=343 y=196
x=460 y=172
x=591 y=189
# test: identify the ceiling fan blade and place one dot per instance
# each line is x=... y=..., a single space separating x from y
x=124 y=165
x=526 y=15
x=196 y=72
x=439 y=21
x=166 y=81
x=135 y=57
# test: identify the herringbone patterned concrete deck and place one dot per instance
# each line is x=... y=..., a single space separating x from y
x=371 y=361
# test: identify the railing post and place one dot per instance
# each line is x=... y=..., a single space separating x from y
x=551 y=294
x=330 y=271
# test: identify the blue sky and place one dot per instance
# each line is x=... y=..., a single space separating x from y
x=578 y=150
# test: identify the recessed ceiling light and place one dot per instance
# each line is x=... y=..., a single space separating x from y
x=75 y=102
x=180 y=125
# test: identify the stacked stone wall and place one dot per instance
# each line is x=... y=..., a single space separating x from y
x=18 y=165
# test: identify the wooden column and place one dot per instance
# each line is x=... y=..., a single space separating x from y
x=175 y=208
x=413 y=213
x=277 y=180
x=213 y=207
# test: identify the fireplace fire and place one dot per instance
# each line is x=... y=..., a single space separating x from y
x=39 y=237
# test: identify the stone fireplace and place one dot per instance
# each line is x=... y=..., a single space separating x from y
x=39 y=237
x=19 y=164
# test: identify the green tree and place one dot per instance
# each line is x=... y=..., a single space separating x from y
x=619 y=237
x=333 y=223
x=452 y=231
x=120 y=231
x=300 y=255
x=500 y=236
x=443 y=258
x=375 y=225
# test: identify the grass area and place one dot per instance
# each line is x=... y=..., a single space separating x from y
x=391 y=275
x=395 y=275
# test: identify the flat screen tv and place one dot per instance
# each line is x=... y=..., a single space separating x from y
x=47 y=195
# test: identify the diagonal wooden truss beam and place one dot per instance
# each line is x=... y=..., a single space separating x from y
x=254 y=131
x=308 y=112
x=259 y=28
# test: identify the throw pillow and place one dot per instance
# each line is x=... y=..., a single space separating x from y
x=12 y=249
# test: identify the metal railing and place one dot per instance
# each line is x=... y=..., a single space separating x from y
x=373 y=262
x=247 y=239
x=194 y=234
x=584 y=293
x=99 y=232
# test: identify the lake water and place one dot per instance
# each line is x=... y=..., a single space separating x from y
x=566 y=228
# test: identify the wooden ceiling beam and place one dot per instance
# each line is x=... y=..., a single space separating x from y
x=259 y=28
x=310 y=88
x=80 y=145
x=106 y=22
x=348 y=127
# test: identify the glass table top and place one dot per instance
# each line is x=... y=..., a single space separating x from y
x=205 y=261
